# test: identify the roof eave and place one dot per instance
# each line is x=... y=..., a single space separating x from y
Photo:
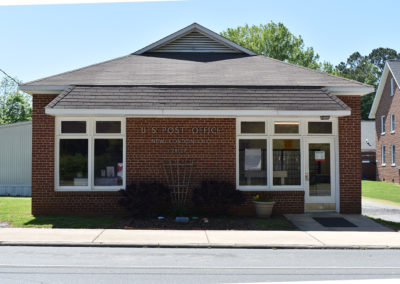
x=43 y=89
x=379 y=91
x=196 y=112
x=350 y=91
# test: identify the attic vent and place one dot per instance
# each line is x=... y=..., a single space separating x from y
x=195 y=42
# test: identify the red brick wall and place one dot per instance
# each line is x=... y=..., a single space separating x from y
x=45 y=201
x=388 y=105
x=350 y=157
x=213 y=154
x=214 y=158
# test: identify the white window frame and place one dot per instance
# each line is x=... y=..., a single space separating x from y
x=269 y=136
x=90 y=135
x=383 y=155
x=383 y=121
x=252 y=119
x=393 y=155
x=392 y=123
x=391 y=87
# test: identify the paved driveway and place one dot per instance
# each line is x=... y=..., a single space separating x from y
x=382 y=210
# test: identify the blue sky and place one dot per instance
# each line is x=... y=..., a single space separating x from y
x=38 y=41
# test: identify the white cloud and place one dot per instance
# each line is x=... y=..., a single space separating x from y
x=52 y=2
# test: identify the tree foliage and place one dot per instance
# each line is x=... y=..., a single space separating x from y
x=15 y=105
x=276 y=41
x=366 y=69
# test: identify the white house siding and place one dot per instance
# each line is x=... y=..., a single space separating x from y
x=16 y=159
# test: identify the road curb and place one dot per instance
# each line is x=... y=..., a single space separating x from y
x=202 y=246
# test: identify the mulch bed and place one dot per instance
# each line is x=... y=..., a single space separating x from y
x=216 y=223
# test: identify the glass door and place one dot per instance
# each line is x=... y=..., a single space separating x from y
x=319 y=174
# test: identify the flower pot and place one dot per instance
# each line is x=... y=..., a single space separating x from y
x=263 y=208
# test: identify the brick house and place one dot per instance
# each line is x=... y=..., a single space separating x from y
x=196 y=102
x=385 y=110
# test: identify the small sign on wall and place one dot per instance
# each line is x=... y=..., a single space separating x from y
x=319 y=156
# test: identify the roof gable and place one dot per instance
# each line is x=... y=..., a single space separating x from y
x=195 y=38
x=392 y=67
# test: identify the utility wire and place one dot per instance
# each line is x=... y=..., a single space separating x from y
x=4 y=72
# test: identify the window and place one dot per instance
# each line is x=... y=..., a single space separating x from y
x=108 y=126
x=252 y=162
x=270 y=152
x=318 y=127
x=392 y=87
x=73 y=162
x=392 y=123
x=73 y=127
x=393 y=154
x=108 y=164
x=286 y=162
x=90 y=154
x=286 y=127
x=383 y=121
x=383 y=155
x=252 y=127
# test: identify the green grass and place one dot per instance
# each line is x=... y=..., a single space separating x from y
x=17 y=212
x=381 y=190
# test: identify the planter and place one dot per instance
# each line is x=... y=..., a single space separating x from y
x=263 y=208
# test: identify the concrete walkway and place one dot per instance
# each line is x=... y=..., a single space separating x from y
x=199 y=238
x=386 y=210
x=305 y=222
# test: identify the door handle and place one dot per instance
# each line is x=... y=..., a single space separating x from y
x=306 y=177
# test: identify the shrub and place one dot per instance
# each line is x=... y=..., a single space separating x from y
x=216 y=197
x=146 y=199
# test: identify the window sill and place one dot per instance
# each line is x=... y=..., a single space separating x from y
x=255 y=188
x=383 y=165
x=391 y=132
x=112 y=189
x=382 y=133
x=393 y=165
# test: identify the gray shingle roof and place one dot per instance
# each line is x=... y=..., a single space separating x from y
x=195 y=69
x=395 y=68
x=194 y=98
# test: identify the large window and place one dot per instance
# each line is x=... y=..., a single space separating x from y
x=271 y=152
x=286 y=162
x=252 y=162
x=74 y=162
x=90 y=154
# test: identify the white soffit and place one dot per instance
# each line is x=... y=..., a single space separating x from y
x=191 y=112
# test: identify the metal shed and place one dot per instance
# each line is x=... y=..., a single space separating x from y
x=16 y=159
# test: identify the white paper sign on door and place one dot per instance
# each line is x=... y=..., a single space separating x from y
x=319 y=156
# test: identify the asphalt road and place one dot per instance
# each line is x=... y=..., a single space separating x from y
x=156 y=265
x=381 y=210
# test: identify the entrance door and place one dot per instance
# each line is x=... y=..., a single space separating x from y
x=320 y=175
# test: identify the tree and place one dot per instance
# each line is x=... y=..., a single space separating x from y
x=14 y=105
x=276 y=41
x=366 y=69
x=378 y=57
x=359 y=68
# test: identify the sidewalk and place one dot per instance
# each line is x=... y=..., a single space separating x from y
x=382 y=209
x=198 y=238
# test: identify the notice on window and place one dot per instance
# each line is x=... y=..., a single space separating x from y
x=319 y=156
x=252 y=159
